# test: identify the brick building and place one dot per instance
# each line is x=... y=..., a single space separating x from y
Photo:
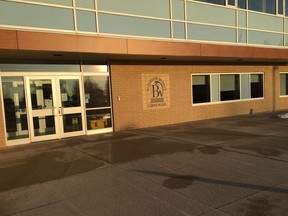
x=80 y=67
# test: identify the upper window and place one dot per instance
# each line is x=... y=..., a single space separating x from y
x=265 y=6
x=231 y=2
x=219 y=2
x=280 y=7
x=242 y=4
x=283 y=84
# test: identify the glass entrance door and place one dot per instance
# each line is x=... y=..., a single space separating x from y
x=42 y=107
x=70 y=106
x=55 y=107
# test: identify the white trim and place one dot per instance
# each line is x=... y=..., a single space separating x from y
x=12 y=27
x=98 y=108
x=133 y=15
x=15 y=142
x=211 y=4
x=96 y=16
x=40 y=4
x=228 y=101
x=185 y=19
x=279 y=80
x=100 y=131
x=237 y=23
x=75 y=16
x=171 y=19
x=3 y=112
x=247 y=23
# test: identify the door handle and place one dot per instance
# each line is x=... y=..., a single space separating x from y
x=60 y=111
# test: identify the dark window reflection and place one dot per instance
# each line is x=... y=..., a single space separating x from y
x=220 y=2
x=70 y=94
x=242 y=4
x=266 y=6
x=280 y=6
x=44 y=125
x=97 y=91
x=14 y=107
x=41 y=94
x=231 y=2
x=72 y=122
x=201 y=88
x=256 y=85
x=230 y=87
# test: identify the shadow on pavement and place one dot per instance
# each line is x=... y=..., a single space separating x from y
x=175 y=181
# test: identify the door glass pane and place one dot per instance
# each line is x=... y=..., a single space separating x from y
x=44 y=125
x=41 y=94
x=97 y=92
x=14 y=107
x=70 y=94
x=72 y=122
x=98 y=119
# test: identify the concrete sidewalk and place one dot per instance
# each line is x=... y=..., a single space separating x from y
x=230 y=166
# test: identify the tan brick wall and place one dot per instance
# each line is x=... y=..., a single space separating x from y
x=129 y=112
x=2 y=131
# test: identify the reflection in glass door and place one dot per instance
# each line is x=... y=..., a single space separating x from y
x=56 y=107
x=15 y=108
x=41 y=104
x=70 y=106
x=97 y=102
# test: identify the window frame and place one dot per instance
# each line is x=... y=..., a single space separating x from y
x=219 y=88
x=210 y=89
x=286 y=95
x=263 y=85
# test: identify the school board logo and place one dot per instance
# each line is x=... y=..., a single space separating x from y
x=156 y=92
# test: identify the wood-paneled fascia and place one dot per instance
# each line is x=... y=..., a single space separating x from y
x=126 y=47
x=70 y=43
x=162 y=48
x=8 y=39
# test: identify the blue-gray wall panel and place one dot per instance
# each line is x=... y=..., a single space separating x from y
x=265 y=38
x=211 y=33
x=20 y=14
x=210 y=14
x=125 y=25
x=154 y=8
x=86 y=21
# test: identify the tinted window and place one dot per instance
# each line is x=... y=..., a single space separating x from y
x=229 y=85
x=201 y=88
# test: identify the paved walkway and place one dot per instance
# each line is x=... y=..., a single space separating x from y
x=231 y=166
